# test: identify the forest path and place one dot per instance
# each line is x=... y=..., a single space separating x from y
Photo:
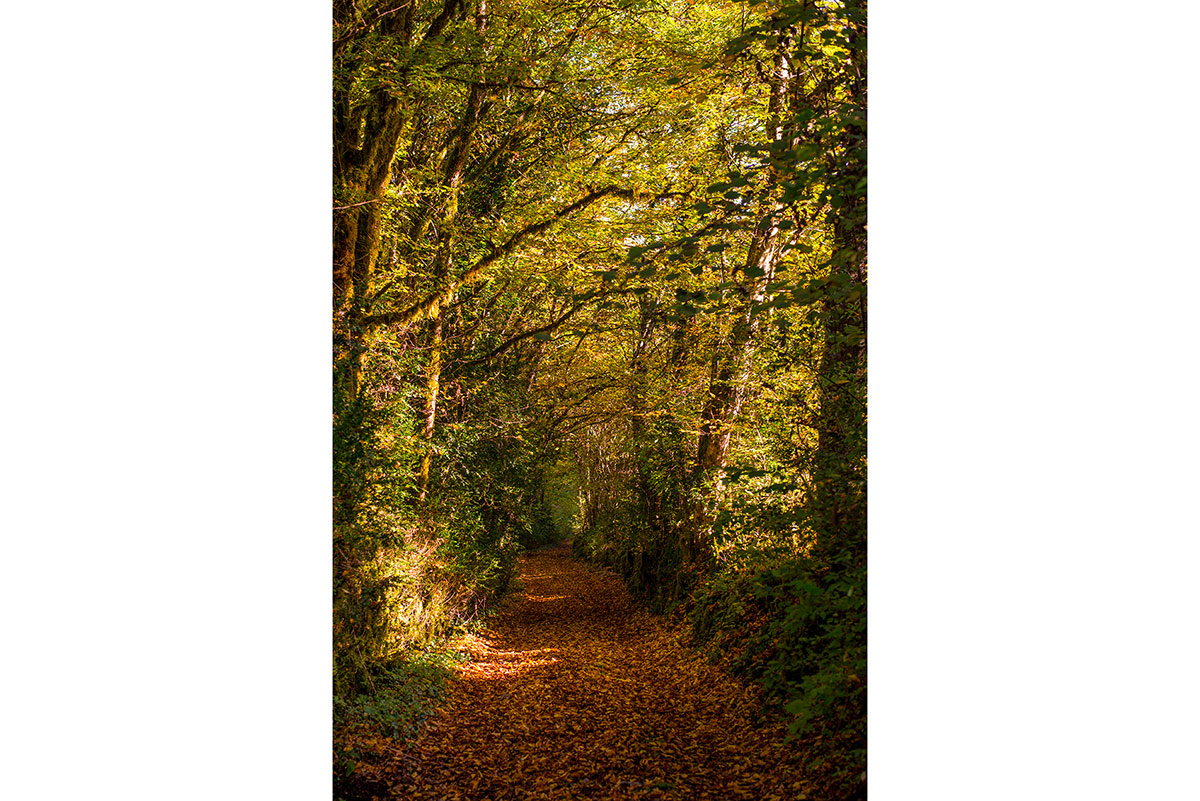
x=575 y=693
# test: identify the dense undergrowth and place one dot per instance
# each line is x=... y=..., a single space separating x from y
x=799 y=629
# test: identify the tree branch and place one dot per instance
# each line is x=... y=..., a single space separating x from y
x=435 y=27
x=550 y=326
x=353 y=205
x=430 y=304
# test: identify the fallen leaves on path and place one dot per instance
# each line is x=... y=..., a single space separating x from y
x=576 y=693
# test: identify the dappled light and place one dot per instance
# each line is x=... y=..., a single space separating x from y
x=489 y=662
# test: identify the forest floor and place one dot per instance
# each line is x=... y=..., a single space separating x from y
x=574 y=692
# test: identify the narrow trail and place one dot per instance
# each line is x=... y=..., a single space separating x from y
x=575 y=693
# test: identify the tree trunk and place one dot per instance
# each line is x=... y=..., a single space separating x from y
x=455 y=161
x=732 y=366
x=433 y=375
x=840 y=492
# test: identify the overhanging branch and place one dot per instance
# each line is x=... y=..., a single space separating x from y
x=429 y=305
x=550 y=326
